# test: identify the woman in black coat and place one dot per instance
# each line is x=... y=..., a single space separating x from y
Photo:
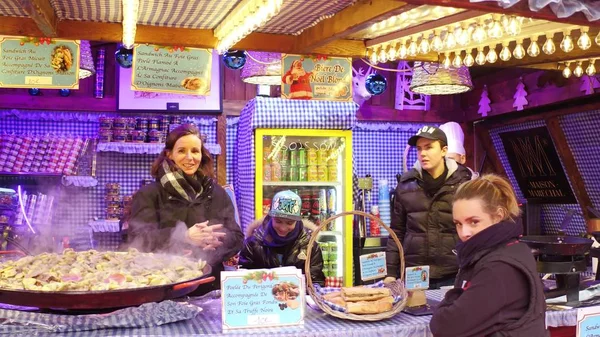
x=185 y=210
x=281 y=239
x=498 y=291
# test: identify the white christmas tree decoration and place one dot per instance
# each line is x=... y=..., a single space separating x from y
x=484 y=103
x=520 y=100
x=589 y=83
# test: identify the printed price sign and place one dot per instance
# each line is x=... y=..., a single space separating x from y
x=262 y=298
x=417 y=278
x=588 y=322
x=372 y=266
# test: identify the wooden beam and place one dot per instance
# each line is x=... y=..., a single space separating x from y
x=521 y=9
x=562 y=147
x=348 y=21
x=482 y=132
x=222 y=141
x=42 y=13
x=430 y=25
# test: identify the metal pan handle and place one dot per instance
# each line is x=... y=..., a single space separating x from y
x=193 y=283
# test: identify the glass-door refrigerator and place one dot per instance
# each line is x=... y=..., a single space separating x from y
x=317 y=165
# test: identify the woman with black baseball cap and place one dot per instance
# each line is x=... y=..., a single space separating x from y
x=422 y=210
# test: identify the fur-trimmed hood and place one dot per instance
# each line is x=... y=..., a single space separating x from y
x=309 y=225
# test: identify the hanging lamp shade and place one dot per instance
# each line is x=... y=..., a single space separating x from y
x=86 y=61
x=265 y=72
x=432 y=79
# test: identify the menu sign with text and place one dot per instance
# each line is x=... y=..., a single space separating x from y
x=171 y=69
x=537 y=167
x=31 y=62
x=316 y=77
x=372 y=266
x=262 y=298
x=416 y=278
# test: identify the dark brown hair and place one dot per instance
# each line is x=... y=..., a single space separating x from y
x=206 y=163
x=494 y=191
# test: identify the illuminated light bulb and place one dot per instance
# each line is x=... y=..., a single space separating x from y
x=549 y=48
x=505 y=53
x=457 y=32
x=437 y=44
x=412 y=48
x=534 y=48
x=373 y=57
x=591 y=68
x=505 y=21
x=382 y=57
x=469 y=60
x=491 y=56
x=446 y=64
x=479 y=34
x=403 y=51
x=514 y=26
x=480 y=58
x=567 y=71
x=392 y=53
x=495 y=31
x=424 y=46
x=584 y=42
x=578 y=72
x=597 y=39
x=567 y=43
x=465 y=37
x=457 y=61
x=450 y=41
x=519 y=51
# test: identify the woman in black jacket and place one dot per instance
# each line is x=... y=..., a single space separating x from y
x=498 y=291
x=185 y=210
x=281 y=239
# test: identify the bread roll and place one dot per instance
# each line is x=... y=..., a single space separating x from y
x=371 y=307
x=356 y=294
x=335 y=298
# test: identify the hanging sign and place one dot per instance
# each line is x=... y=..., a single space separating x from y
x=316 y=77
x=171 y=69
x=262 y=298
x=537 y=167
x=372 y=266
x=417 y=278
x=46 y=63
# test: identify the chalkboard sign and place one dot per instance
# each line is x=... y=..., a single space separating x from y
x=537 y=167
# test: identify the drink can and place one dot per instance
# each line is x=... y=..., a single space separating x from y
x=311 y=155
x=266 y=205
x=306 y=203
x=312 y=174
x=322 y=204
x=293 y=154
x=302 y=157
x=275 y=171
x=322 y=157
x=266 y=153
x=285 y=172
x=266 y=171
x=302 y=173
x=315 y=213
x=294 y=173
x=322 y=173
x=332 y=173
x=332 y=160
x=285 y=157
x=331 y=201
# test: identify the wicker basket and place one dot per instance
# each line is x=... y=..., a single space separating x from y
x=397 y=288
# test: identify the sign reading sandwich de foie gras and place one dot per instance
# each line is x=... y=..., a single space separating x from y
x=31 y=62
x=262 y=298
x=172 y=69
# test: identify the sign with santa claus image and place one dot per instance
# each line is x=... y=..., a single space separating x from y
x=316 y=77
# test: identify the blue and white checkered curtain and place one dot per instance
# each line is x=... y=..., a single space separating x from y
x=277 y=113
x=552 y=214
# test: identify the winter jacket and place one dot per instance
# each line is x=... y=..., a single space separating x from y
x=497 y=293
x=255 y=254
x=155 y=214
x=424 y=224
